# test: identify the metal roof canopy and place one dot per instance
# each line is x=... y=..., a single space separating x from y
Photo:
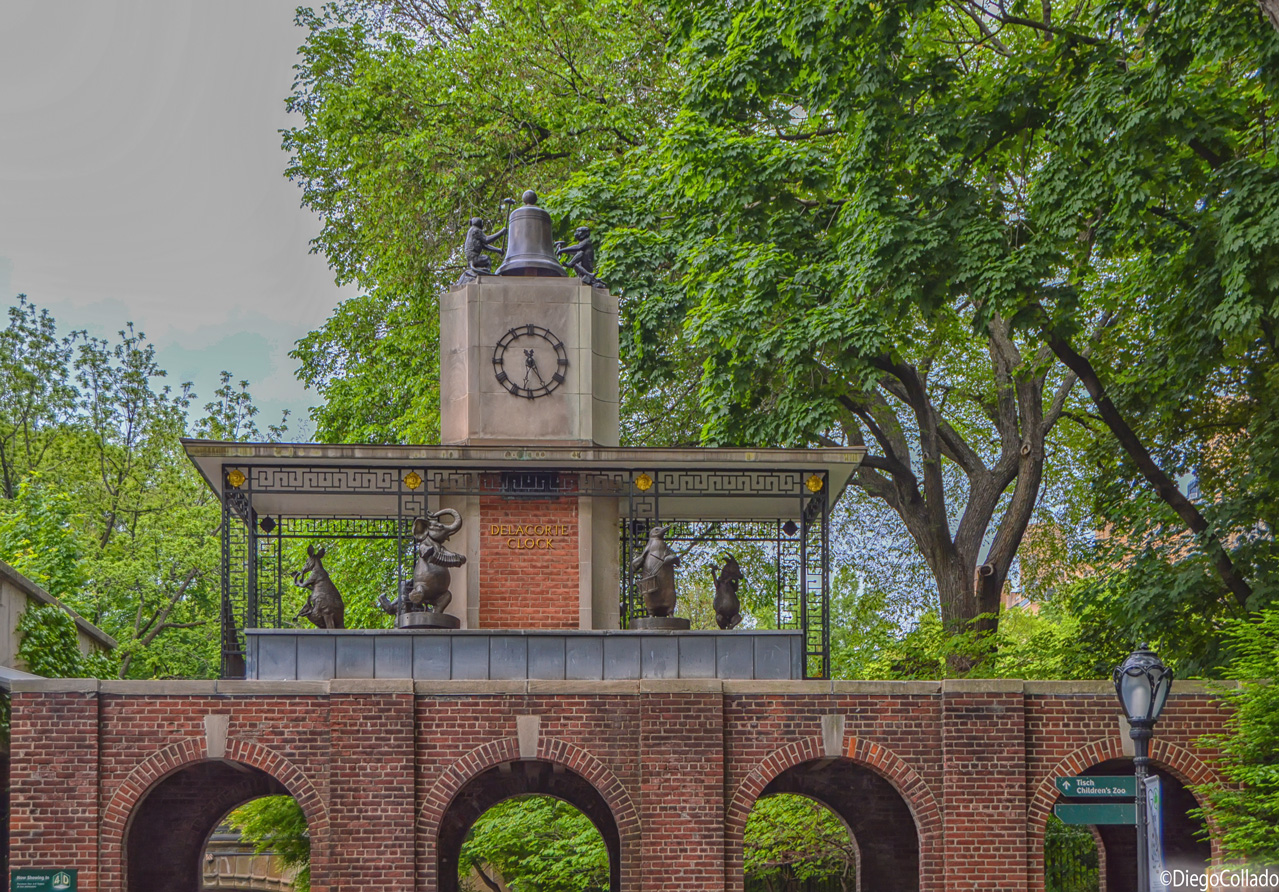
x=680 y=498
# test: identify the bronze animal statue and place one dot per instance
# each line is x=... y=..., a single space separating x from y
x=476 y=246
x=728 y=609
x=580 y=257
x=429 y=588
x=656 y=565
x=324 y=607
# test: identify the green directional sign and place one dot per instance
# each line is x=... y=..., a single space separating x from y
x=43 y=880
x=1100 y=787
x=1096 y=812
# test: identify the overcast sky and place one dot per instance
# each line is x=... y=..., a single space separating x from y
x=141 y=179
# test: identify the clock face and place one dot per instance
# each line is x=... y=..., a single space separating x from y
x=530 y=361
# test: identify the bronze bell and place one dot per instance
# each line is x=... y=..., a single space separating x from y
x=530 y=248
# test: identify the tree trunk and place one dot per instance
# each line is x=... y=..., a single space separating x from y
x=1271 y=9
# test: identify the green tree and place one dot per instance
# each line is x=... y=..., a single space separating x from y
x=374 y=364
x=276 y=825
x=37 y=395
x=107 y=512
x=790 y=840
x=1245 y=808
x=38 y=537
x=230 y=415
x=810 y=297
x=534 y=844
x=885 y=224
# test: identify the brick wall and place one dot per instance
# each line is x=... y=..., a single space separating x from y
x=984 y=790
x=54 y=785
x=529 y=563
x=962 y=769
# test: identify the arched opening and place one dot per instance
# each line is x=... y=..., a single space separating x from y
x=876 y=816
x=516 y=779
x=1115 y=845
x=169 y=828
x=263 y=845
x=797 y=844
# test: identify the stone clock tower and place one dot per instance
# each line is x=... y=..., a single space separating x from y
x=529 y=371
x=526 y=361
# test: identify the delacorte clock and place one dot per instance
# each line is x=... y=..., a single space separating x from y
x=529 y=361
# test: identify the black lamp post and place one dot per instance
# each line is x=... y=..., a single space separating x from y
x=1142 y=683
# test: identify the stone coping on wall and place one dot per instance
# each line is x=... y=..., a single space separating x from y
x=447 y=688
x=516 y=655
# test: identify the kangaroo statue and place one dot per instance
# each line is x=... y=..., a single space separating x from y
x=728 y=609
x=657 y=563
x=324 y=608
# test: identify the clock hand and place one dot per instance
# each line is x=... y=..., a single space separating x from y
x=530 y=368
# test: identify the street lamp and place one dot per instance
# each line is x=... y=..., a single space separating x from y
x=1142 y=683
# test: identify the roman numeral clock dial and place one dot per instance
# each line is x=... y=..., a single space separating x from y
x=530 y=361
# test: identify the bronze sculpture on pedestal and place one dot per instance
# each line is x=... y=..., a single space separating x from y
x=728 y=608
x=423 y=599
x=324 y=606
x=656 y=565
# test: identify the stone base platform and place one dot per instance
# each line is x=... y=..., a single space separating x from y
x=660 y=624
x=479 y=655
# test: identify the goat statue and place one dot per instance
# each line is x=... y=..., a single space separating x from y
x=324 y=607
x=429 y=589
x=728 y=608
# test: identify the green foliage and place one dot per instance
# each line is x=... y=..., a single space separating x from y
x=276 y=825
x=37 y=537
x=1050 y=643
x=790 y=840
x=824 y=281
x=104 y=508
x=534 y=844
x=36 y=395
x=850 y=192
x=1246 y=808
x=375 y=365
x=229 y=416
x=417 y=117
x=49 y=647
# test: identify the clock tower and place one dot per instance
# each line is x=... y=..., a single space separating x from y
x=528 y=370
x=528 y=356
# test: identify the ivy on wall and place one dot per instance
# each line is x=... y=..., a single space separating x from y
x=48 y=646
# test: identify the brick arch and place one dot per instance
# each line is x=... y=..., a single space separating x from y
x=1178 y=761
x=549 y=749
x=913 y=789
x=172 y=758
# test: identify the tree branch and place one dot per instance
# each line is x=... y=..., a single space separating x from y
x=1164 y=485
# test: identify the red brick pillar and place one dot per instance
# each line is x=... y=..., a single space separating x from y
x=529 y=563
x=54 y=778
x=372 y=814
x=984 y=786
x=682 y=784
